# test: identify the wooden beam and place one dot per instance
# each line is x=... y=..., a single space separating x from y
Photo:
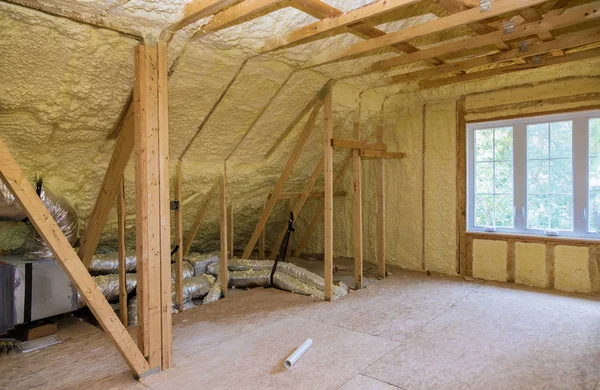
x=298 y=206
x=461 y=185
x=108 y=190
x=230 y=232
x=223 y=270
x=354 y=144
x=122 y=254
x=79 y=16
x=235 y=14
x=328 y=200
x=287 y=170
x=24 y=193
x=318 y=217
x=199 y=218
x=382 y=155
x=576 y=56
x=319 y=28
x=442 y=24
x=321 y=10
x=261 y=244
x=380 y=194
x=579 y=38
x=194 y=11
x=570 y=17
x=313 y=195
x=178 y=239
x=357 y=206
x=148 y=196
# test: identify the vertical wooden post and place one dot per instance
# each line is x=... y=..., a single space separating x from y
x=122 y=253
x=357 y=209
x=178 y=240
x=261 y=242
x=380 y=189
x=461 y=184
x=223 y=271
x=328 y=200
x=230 y=232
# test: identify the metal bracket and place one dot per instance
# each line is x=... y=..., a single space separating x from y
x=523 y=46
x=537 y=60
x=509 y=27
x=485 y=5
x=174 y=205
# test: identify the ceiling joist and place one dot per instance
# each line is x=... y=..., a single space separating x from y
x=194 y=11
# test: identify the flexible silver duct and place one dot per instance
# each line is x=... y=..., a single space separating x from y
x=109 y=286
x=60 y=209
x=108 y=263
x=214 y=293
x=188 y=270
x=201 y=261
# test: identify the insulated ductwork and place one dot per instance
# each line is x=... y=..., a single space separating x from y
x=109 y=286
x=60 y=209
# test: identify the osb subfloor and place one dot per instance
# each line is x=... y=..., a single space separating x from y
x=409 y=331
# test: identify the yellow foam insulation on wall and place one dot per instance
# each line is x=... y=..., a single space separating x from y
x=571 y=271
x=489 y=260
x=530 y=264
x=440 y=187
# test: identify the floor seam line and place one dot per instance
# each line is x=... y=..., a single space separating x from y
x=387 y=383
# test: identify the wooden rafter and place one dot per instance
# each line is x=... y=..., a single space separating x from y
x=583 y=37
x=321 y=27
x=223 y=269
x=571 y=16
x=109 y=189
x=189 y=240
x=328 y=199
x=122 y=254
x=500 y=7
x=40 y=217
x=194 y=11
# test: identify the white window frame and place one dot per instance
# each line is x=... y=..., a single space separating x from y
x=580 y=164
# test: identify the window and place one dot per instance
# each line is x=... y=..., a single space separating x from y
x=538 y=175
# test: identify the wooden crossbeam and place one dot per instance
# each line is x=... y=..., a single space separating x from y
x=382 y=155
x=109 y=189
x=121 y=213
x=282 y=179
x=189 y=240
x=223 y=269
x=313 y=195
x=178 y=237
x=571 y=16
x=380 y=195
x=472 y=15
x=42 y=220
x=357 y=224
x=321 y=10
x=194 y=11
x=580 y=38
x=580 y=55
x=298 y=206
x=319 y=28
x=328 y=199
x=354 y=144
x=230 y=242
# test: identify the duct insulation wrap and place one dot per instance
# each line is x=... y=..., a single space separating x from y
x=214 y=293
x=194 y=287
x=201 y=261
x=108 y=263
x=63 y=213
x=109 y=286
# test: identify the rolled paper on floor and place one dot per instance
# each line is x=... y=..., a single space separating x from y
x=297 y=354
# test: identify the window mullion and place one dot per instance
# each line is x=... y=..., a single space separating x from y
x=520 y=175
x=580 y=173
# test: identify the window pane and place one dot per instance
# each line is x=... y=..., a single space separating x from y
x=484 y=208
x=561 y=139
x=537 y=212
x=595 y=137
x=561 y=212
x=594 y=212
x=503 y=144
x=561 y=176
x=537 y=141
x=504 y=211
x=504 y=177
x=484 y=178
x=484 y=145
x=537 y=177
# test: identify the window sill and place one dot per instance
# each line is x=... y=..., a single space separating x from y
x=579 y=241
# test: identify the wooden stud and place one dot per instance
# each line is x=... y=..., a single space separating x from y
x=287 y=170
x=178 y=239
x=108 y=190
x=321 y=27
x=230 y=227
x=122 y=254
x=223 y=270
x=261 y=243
x=380 y=222
x=469 y=257
x=189 y=240
x=461 y=184
x=357 y=206
x=24 y=193
x=354 y=144
x=328 y=200
x=571 y=16
x=471 y=15
x=510 y=261
x=423 y=176
x=308 y=187
x=550 y=248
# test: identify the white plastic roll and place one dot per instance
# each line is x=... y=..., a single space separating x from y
x=297 y=354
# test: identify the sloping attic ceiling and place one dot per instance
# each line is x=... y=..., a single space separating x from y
x=64 y=85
